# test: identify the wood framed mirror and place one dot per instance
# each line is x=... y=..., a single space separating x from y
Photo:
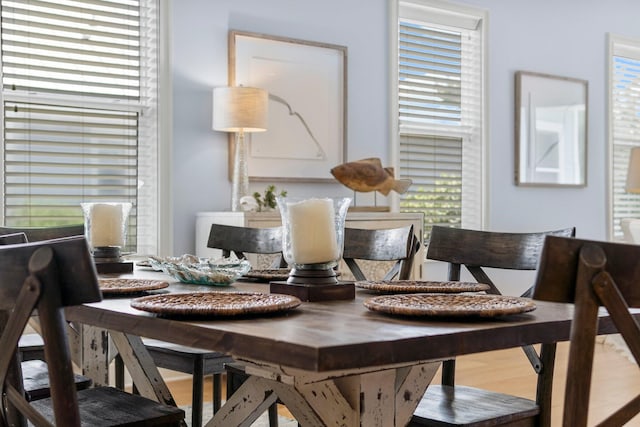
x=550 y=130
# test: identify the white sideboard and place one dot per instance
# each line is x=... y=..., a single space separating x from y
x=272 y=219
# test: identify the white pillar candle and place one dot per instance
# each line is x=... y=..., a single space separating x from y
x=106 y=224
x=313 y=231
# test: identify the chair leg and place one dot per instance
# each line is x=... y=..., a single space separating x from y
x=273 y=415
x=217 y=392
x=196 y=392
x=449 y=372
x=119 y=370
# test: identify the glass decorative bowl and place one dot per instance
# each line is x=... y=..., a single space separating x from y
x=201 y=271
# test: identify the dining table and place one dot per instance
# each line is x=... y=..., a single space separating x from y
x=332 y=363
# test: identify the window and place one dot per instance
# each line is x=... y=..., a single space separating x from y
x=80 y=111
x=440 y=113
x=624 y=127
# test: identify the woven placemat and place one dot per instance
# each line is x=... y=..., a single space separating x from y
x=117 y=286
x=215 y=303
x=449 y=305
x=268 y=274
x=417 y=286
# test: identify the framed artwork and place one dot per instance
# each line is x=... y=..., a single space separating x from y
x=550 y=130
x=306 y=131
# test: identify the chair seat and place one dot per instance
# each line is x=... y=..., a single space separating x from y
x=472 y=407
x=181 y=358
x=31 y=347
x=36 y=380
x=109 y=407
x=194 y=361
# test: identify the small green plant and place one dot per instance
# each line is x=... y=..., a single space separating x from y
x=268 y=201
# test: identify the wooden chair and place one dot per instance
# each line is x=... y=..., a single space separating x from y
x=49 y=276
x=36 y=234
x=448 y=404
x=240 y=241
x=31 y=345
x=392 y=244
x=592 y=274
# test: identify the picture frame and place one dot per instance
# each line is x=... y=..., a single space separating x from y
x=550 y=130
x=306 y=133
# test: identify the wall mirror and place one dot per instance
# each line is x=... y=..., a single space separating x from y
x=551 y=130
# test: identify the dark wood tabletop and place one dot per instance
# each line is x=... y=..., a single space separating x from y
x=326 y=336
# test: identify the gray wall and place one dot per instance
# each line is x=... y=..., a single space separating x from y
x=566 y=38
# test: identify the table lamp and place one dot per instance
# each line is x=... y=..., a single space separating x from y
x=631 y=226
x=240 y=109
x=633 y=173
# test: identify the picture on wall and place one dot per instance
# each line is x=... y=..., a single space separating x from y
x=306 y=81
x=551 y=130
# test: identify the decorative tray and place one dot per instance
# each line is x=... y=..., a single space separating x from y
x=449 y=305
x=414 y=286
x=215 y=303
x=118 y=286
x=268 y=274
x=201 y=271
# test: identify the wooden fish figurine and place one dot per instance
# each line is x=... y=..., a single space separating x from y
x=369 y=175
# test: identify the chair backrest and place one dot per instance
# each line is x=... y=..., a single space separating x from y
x=389 y=244
x=591 y=274
x=36 y=234
x=46 y=276
x=247 y=240
x=477 y=249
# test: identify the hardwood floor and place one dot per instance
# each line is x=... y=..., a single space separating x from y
x=616 y=379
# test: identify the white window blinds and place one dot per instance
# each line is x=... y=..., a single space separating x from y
x=79 y=97
x=440 y=114
x=624 y=113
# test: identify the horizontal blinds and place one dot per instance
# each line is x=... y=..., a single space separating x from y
x=429 y=85
x=625 y=122
x=70 y=47
x=56 y=156
x=435 y=167
x=80 y=103
x=440 y=118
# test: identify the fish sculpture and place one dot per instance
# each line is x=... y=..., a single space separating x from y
x=369 y=175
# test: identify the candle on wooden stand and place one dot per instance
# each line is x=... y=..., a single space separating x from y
x=106 y=223
x=313 y=231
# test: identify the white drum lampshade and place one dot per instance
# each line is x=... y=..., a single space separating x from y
x=240 y=109
x=633 y=173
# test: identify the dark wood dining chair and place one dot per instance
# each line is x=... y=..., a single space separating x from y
x=449 y=404
x=240 y=241
x=36 y=234
x=48 y=276
x=31 y=345
x=590 y=275
x=396 y=245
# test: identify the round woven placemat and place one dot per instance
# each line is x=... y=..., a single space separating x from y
x=449 y=305
x=128 y=286
x=416 y=286
x=215 y=303
x=268 y=274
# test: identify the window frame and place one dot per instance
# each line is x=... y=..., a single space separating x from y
x=617 y=44
x=463 y=16
x=161 y=239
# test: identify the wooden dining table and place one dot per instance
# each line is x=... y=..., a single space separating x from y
x=332 y=363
